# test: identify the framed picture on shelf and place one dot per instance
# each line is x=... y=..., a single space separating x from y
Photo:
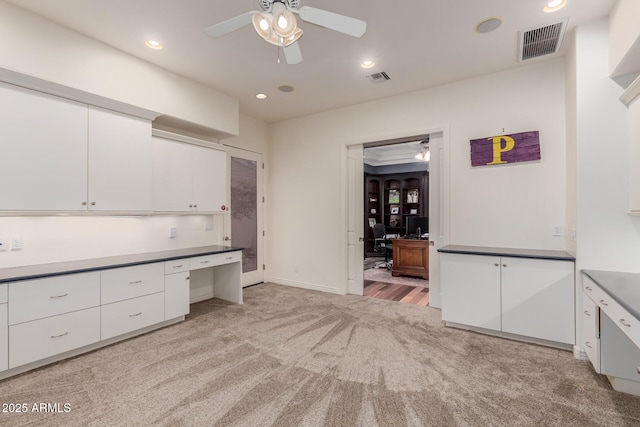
x=412 y=196
x=395 y=209
x=394 y=222
x=374 y=211
x=413 y=211
x=394 y=196
x=372 y=222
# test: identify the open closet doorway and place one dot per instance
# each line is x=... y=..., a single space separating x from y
x=407 y=198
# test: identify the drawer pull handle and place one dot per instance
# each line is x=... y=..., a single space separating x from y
x=588 y=288
x=204 y=262
x=624 y=323
x=229 y=257
x=59 y=336
x=587 y=313
x=136 y=282
x=639 y=369
x=135 y=315
x=588 y=344
x=58 y=296
x=603 y=302
x=178 y=266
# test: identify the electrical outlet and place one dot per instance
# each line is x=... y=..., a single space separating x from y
x=173 y=232
x=16 y=244
x=208 y=226
x=3 y=244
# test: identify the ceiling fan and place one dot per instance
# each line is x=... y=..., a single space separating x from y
x=276 y=24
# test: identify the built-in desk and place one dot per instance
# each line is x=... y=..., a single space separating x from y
x=50 y=312
x=611 y=326
x=410 y=257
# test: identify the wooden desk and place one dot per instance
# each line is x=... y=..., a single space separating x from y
x=410 y=257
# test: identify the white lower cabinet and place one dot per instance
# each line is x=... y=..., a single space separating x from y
x=39 y=339
x=532 y=298
x=619 y=356
x=591 y=331
x=471 y=290
x=131 y=282
x=126 y=316
x=4 y=338
x=176 y=295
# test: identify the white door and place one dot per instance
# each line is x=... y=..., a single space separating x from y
x=437 y=215
x=355 y=226
x=245 y=227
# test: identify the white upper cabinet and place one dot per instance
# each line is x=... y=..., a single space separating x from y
x=43 y=147
x=188 y=178
x=61 y=155
x=120 y=171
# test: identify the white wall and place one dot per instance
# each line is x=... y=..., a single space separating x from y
x=509 y=206
x=64 y=238
x=36 y=47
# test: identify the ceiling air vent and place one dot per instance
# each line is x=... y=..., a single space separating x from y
x=380 y=77
x=541 y=41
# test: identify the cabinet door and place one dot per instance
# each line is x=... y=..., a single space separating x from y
x=471 y=290
x=176 y=295
x=538 y=299
x=4 y=338
x=209 y=179
x=172 y=175
x=43 y=147
x=620 y=357
x=120 y=170
x=634 y=157
x=591 y=331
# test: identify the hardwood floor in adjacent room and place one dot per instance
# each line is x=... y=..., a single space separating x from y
x=396 y=292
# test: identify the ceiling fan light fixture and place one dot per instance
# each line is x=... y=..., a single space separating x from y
x=262 y=22
x=284 y=23
x=293 y=37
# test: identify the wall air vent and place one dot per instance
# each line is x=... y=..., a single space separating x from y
x=541 y=41
x=380 y=77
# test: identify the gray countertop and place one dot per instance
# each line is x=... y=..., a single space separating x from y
x=79 y=266
x=622 y=287
x=508 y=252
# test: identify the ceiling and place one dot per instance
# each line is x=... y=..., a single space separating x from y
x=418 y=43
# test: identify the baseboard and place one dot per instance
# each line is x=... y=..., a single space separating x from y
x=305 y=285
x=624 y=385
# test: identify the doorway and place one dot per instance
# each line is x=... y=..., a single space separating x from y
x=438 y=211
x=245 y=227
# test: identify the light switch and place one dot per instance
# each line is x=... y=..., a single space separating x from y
x=173 y=232
x=16 y=244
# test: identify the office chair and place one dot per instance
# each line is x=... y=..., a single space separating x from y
x=382 y=245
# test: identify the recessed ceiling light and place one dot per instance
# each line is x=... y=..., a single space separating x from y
x=261 y=96
x=367 y=64
x=488 y=25
x=153 y=44
x=554 y=5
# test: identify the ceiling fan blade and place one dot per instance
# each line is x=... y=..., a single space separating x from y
x=292 y=53
x=344 y=24
x=230 y=25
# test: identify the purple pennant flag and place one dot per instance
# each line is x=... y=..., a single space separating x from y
x=497 y=150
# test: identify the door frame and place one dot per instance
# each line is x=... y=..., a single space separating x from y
x=445 y=200
x=257 y=276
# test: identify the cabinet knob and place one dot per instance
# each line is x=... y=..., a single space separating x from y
x=587 y=313
x=588 y=344
x=93 y=203
x=603 y=302
x=190 y=206
x=223 y=207
x=504 y=265
x=639 y=369
x=496 y=264
x=588 y=288
x=84 y=203
x=195 y=206
x=624 y=323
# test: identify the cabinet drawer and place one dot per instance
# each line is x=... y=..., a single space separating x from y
x=130 y=282
x=207 y=261
x=126 y=316
x=594 y=291
x=176 y=266
x=622 y=318
x=591 y=340
x=4 y=338
x=43 y=338
x=40 y=298
x=3 y=293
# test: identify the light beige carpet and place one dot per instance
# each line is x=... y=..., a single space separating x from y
x=292 y=357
